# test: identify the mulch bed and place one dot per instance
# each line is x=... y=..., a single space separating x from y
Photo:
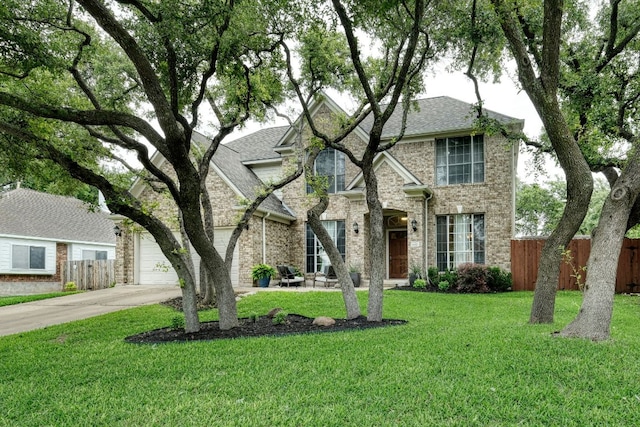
x=262 y=326
x=410 y=288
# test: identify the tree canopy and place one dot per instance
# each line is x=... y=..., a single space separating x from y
x=89 y=84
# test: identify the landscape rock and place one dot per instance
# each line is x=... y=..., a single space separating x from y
x=324 y=321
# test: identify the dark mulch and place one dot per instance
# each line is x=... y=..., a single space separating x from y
x=176 y=303
x=262 y=326
x=410 y=288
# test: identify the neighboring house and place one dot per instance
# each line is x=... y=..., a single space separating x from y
x=448 y=195
x=39 y=231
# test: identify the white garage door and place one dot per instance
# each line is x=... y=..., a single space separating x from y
x=155 y=269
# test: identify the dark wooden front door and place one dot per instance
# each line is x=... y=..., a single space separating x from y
x=398 y=260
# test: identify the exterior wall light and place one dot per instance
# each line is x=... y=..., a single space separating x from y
x=356 y=228
x=117 y=231
x=414 y=225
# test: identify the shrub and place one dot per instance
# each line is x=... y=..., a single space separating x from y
x=499 y=280
x=70 y=287
x=416 y=270
x=444 y=286
x=419 y=284
x=473 y=278
x=433 y=275
x=279 y=318
x=450 y=276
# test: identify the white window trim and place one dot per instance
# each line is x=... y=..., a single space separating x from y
x=472 y=163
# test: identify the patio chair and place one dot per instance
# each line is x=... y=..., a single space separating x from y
x=288 y=277
x=326 y=276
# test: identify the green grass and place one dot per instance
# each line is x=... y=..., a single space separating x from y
x=462 y=360
x=28 y=298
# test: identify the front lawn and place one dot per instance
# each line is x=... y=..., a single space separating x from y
x=462 y=360
x=28 y=298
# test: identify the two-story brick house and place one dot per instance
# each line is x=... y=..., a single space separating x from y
x=448 y=195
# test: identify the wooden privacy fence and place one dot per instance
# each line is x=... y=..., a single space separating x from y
x=525 y=256
x=89 y=274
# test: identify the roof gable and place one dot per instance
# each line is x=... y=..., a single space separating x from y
x=29 y=213
x=396 y=166
x=322 y=100
x=227 y=163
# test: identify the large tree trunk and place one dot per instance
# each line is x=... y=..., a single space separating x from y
x=215 y=265
x=579 y=189
x=188 y=284
x=207 y=291
x=594 y=318
x=225 y=295
x=348 y=291
x=376 y=245
x=190 y=304
x=542 y=90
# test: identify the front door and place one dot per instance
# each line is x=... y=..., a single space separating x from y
x=398 y=260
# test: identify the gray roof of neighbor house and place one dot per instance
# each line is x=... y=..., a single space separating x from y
x=29 y=213
x=229 y=161
x=436 y=115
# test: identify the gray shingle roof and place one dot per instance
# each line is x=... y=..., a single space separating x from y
x=29 y=213
x=259 y=145
x=436 y=115
x=230 y=164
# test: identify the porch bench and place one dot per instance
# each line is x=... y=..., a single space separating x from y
x=288 y=277
x=327 y=276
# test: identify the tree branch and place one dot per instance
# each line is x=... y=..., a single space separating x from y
x=151 y=84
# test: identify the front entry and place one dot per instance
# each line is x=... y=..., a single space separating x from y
x=398 y=259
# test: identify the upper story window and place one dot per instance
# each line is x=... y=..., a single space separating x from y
x=25 y=257
x=330 y=163
x=460 y=160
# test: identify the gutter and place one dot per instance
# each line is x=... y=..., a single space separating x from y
x=264 y=237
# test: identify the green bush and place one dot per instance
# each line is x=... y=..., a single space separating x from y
x=420 y=284
x=499 y=280
x=450 y=276
x=433 y=274
x=444 y=286
x=279 y=318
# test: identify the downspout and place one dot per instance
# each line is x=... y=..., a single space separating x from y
x=426 y=232
x=514 y=186
x=264 y=237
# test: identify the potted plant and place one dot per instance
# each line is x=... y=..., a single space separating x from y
x=415 y=272
x=354 y=272
x=263 y=274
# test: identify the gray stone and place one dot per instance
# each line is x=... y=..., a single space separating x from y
x=324 y=321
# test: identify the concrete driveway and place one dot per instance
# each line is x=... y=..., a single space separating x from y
x=39 y=314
